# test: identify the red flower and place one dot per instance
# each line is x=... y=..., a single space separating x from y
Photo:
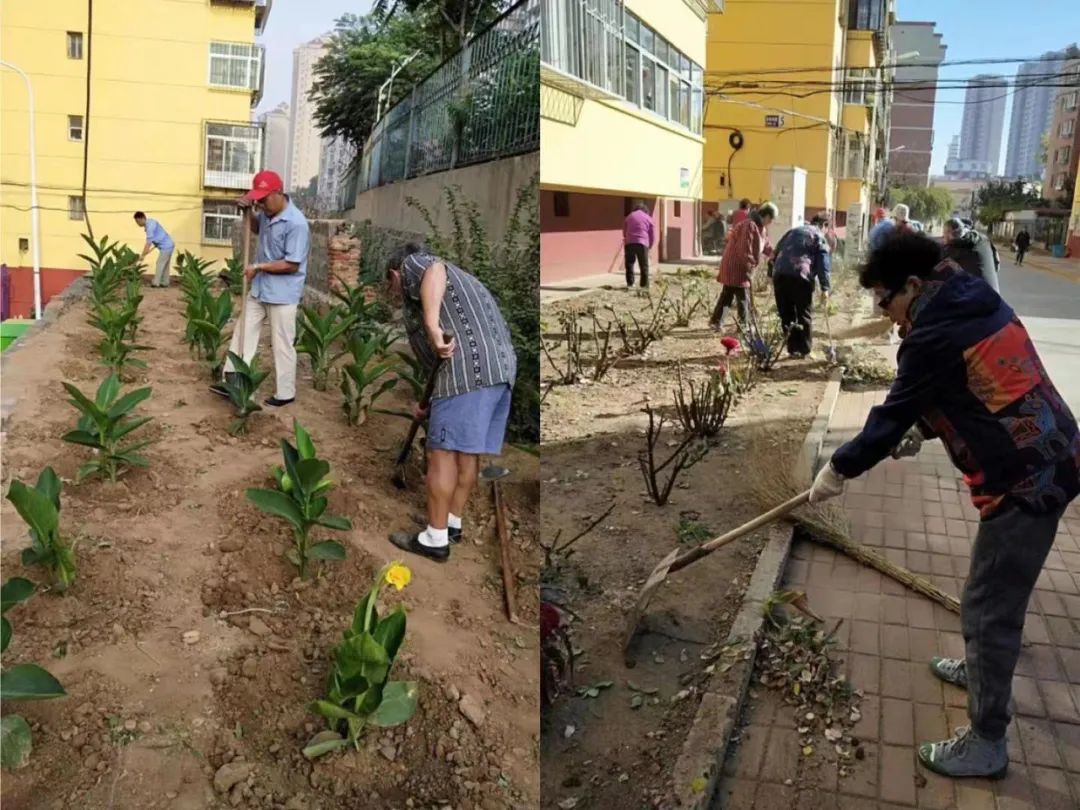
x=730 y=344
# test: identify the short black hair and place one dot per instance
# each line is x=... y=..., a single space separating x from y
x=744 y=202
x=899 y=257
x=140 y=215
x=641 y=206
x=818 y=220
x=399 y=254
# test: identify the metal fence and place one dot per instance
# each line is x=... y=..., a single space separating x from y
x=481 y=104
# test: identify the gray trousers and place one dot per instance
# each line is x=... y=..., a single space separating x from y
x=1008 y=555
x=161 y=274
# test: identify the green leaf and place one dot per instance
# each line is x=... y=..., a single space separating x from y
x=35 y=508
x=48 y=484
x=82 y=437
x=390 y=632
x=336 y=522
x=331 y=711
x=124 y=428
x=15 y=742
x=363 y=655
x=108 y=390
x=311 y=472
x=369 y=700
x=304 y=446
x=398 y=704
x=278 y=504
x=361 y=612
x=5 y=634
x=326 y=550
x=15 y=590
x=324 y=747
x=128 y=401
x=29 y=682
x=83 y=403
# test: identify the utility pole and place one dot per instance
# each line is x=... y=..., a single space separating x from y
x=35 y=216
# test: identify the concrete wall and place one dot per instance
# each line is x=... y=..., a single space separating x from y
x=493 y=186
x=334 y=251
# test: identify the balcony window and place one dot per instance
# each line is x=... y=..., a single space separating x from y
x=218 y=219
x=74 y=45
x=584 y=38
x=1067 y=127
x=233 y=155
x=75 y=127
x=855 y=87
x=235 y=65
x=633 y=75
x=1063 y=155
x=867 y=15
x=76 y=208
x=1069 y=102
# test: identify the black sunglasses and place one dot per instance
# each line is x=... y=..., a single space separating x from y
x=887 y=299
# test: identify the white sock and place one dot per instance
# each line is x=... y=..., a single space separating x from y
x=453 y=522
x=434 y=538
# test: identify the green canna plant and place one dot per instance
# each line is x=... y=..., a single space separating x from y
x=241 y=385
x=104 y=424
x=301 y=501
x=20 y=682
x=116 y=323
x=318 y=334
x=233 y=275
x=209 y=330
x=39 y=507
x=360 y=381
x=363 y=303
x=359 y=692
x=132 y=299
x=414 y=374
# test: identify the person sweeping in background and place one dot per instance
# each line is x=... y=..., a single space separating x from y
x=639 y=236
x=745 y=248
x=475 y=371
x=801 y=258
x=969 y=375
x=156 y=237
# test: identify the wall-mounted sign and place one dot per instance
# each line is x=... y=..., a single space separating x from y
x=774 y=121
x=684 y=178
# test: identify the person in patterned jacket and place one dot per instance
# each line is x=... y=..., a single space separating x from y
x=746 y=245
x=969 y=375
x=470 y=404
x=802 y=258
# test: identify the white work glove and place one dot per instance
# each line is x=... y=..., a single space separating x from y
x=910 y=445
x=828 y=484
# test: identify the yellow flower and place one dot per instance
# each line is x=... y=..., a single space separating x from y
x=398 y=575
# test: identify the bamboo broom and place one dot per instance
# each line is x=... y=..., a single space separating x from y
x=773 y=481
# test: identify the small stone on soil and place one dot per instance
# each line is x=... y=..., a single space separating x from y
x=231 y=774
x=258 y=627
x=191 y=637
x=472 y=710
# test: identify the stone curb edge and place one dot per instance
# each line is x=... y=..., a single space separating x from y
x=696 y=774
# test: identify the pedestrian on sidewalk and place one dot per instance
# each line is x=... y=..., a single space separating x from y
x=277 y=283
x=639 y=235
x=972 y=251
x=1022 y=243
x=156 y=237
x=802 y=256
x=470 y=403
x=969 y=375
x=745 y=249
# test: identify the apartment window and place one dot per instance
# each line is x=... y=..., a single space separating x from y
x=855 y=87
x=1063 y=155
x=584 y=38
x=75 y=127
x=74 y=45
x=562 y=204
x=76 y=208
x=235 y=65
x=218 y=218
x=233 y=155
x=677 y=209
x=633 y=75
x=1067 y=127
x=1069 y=102
x=1059 y=182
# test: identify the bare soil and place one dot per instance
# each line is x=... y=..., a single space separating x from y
x=618 y=749
x=148 y=719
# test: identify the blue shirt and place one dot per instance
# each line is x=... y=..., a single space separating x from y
x=880 y=232
x=157 y=236
x=284 y=237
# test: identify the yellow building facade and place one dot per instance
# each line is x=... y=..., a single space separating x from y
x=797 y=83
x=167 y=129
x=621 y=105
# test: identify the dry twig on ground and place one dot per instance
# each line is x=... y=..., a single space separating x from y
x=684 y=457
x=703 y=408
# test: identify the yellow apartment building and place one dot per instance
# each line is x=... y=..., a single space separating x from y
x=166 y=128
x=794 y=96
x=621 y=110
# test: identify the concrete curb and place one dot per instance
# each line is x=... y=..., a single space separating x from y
x=696 y=774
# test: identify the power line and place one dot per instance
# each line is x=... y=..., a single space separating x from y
x=905 y=64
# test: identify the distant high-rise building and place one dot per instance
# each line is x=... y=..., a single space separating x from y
x=911 y=129
x=954 y=149
x=305 y=140
x=980 y=131
x=276 y=137
x=1031 y=113
x=336 y=156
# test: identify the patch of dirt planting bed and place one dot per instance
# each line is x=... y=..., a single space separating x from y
x=613 y=740
x=188 y=647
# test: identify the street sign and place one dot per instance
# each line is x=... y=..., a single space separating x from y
x=774 y=121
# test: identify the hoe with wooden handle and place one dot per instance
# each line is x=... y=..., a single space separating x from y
x=674 y=561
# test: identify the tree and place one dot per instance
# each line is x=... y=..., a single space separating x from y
x=1044 y=149
x=447 y=23
x=925 y=204
x=997 y=197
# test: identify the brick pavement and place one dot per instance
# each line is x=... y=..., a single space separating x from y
x=917 y=512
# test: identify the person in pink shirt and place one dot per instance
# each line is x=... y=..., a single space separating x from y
x=742 y=213
x=639 y=235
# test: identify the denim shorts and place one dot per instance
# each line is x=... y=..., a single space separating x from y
x=473 y=423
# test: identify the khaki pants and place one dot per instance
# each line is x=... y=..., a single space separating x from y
x=282 y=334
x=161 y=273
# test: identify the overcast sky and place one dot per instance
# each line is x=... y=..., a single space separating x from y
x=292 y=23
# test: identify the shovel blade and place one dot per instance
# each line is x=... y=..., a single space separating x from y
x=655 y=580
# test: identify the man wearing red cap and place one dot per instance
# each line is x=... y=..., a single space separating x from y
x=277 y=282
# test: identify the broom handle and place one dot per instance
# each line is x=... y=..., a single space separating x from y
x=761 y=520
x=244 y=285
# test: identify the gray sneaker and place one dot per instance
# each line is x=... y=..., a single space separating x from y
x=966 y=754
x=950 y=670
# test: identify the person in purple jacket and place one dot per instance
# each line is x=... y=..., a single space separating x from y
x=969 y=375
x=639 y=235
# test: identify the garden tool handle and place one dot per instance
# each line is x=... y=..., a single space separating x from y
x=761 y=520
x=429 y=389
x=244 y=284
